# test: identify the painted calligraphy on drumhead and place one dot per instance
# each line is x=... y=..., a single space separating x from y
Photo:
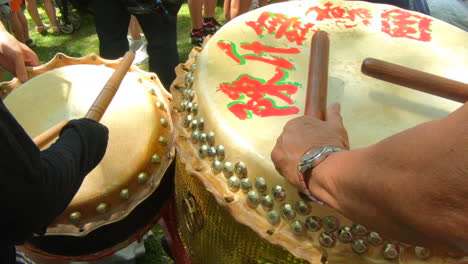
x=397 y=23
x=280 y=25
x=256 y=96
x=342 y=17
x=402 y=24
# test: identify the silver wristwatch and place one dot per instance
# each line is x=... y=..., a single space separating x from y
x=313 y=157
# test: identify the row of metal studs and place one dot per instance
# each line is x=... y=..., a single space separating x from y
x=142 y=177
x=358 y=236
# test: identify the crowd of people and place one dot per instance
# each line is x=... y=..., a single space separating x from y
x=345 y=180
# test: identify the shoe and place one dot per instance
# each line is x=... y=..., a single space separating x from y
x=141 y=55
x=211 y=25
x=30 y=43
x=134 y=44
x=197 y=36
x=56 y=30
x=42 y=29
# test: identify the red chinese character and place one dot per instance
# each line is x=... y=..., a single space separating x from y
x=280 y=25
x=262 y=95
x=402 y=24
x=260 y=53
x=341 y=16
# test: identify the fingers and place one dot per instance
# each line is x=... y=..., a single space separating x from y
x=20 y=68
x=30 y=57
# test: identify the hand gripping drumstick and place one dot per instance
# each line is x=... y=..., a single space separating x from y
x=414 y=79
x=97 y=110
x=316 y=98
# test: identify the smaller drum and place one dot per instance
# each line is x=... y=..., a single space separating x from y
x=234 y=96
x=119 y=200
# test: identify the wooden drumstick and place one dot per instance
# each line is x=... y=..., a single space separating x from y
x=414 y=79
x=317 y=82
x=48 y=135
x=97 y=110
x=104 y=98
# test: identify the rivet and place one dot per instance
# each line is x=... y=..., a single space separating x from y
x=182 y=106
x=142 y=177
x=233 y=183
x=195 y=136
x=101 y=208
x=201 y=123
x=210 y=138
x=302 y=207
x=297 y=227
x=422 y=253
x=189 y=107
x=391 y=251
x=193 y=67
x=202 y=138
x=344 y=234
x=75 y=217
x=241 y=169
x=246 y=184
x=260 y=184
x=287 y=211
x=267 y=202
x=124 y=194
x=217 y=166
x=330 y=223
x=313 y=223
x=155 y=159
x=278 y=192
x=228 y=169
x=327 y=240
x=195 y=109
x=163 y=122
x=273 y=217
x=220 y=152
x=160 y=105
x=190 y=94
x=374 y=239
x=163 y=140
x=203 y=150
x=359 y=230
x=190 y=80
x=194 y=125
x=151 y=91
x=211 y=152
x=187 y=121
x=359 y=246
x=253 y=199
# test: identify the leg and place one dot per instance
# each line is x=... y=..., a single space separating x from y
x=134 y=28
x=31 y=5
x=50 y=11
x=239 y=7
x=227 y=10
x=209 y=8
x=112 y=20
x=16 y=27
x=24 y=24
x=195 y=7
x=161 y=33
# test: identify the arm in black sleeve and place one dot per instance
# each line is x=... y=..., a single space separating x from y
x=36 y=186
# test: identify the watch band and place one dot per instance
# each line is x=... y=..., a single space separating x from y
x=309 y=161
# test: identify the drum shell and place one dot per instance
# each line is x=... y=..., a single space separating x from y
x=212 y=235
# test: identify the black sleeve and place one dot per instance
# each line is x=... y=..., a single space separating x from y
x=36 y=186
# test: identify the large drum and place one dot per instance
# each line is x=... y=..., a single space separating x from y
x=233 y=97
x=119 y=200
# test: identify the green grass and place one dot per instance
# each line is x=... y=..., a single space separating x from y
x=85 y=41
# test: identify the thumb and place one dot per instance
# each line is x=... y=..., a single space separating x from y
x=334 y=116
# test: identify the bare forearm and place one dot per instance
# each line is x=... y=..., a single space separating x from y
x=411 y=186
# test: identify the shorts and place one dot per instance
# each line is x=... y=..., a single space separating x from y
x=15 y=5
